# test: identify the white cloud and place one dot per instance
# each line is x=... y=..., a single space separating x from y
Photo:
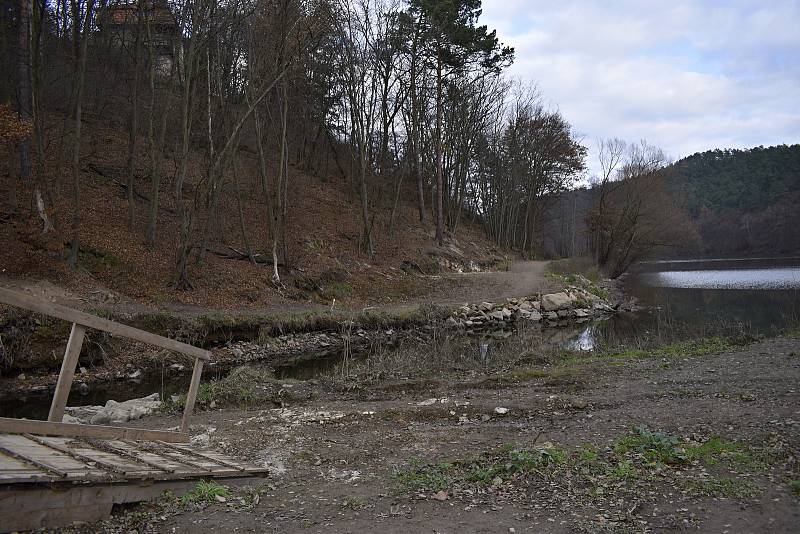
x=686 y=75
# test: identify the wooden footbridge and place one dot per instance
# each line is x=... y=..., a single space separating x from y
x=53 y=473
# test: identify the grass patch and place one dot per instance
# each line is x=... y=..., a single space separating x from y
x=655 y=447
x=206 y=491
x=243 y=387
x=582 y=282
x=794 y=485
x=681 y=349
x=509 y=462
x=352 y=502
x=421 y=477
x=726 y=488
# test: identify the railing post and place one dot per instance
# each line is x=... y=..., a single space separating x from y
x=191 y=396
x=67 y=373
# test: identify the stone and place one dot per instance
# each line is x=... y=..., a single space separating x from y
x=556 y=301
x=441 y=495
x=578 y=403
x=498 y=315
x=552 y=316
x=564 y=314
x=581 y=313
x=486 y=306
x=535 y=316
x=451 y=322
x=500 y=410
x=116 y=412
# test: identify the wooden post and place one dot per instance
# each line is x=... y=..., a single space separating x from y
x=191 y=396
x=67 y=373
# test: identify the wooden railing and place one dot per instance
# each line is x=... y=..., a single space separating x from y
x=80 y=322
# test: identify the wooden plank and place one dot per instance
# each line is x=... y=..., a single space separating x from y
x=179 y=459
x=49 y=428
x=29 y=448
x=192 y=452
x=67 y=373
x=110 y=447
x=93 y=458
x=194 y=386
x=46 y=466
x=28 y=302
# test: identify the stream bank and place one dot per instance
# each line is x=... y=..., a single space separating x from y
x=290 y=346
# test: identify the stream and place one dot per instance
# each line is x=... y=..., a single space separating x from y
x=693 y=297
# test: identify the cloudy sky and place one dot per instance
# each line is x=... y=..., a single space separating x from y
x=687 y=76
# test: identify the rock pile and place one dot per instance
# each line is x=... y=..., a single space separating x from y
x=573 y=304
x=113 y=412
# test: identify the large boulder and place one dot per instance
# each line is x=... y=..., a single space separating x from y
x=115 y=412
x=556 y=301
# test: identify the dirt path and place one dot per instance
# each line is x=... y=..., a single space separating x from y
x=523 y=278
x=337 y=458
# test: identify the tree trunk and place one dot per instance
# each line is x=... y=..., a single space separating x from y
x=133 y=121
x=439 y=174
x=79 y=47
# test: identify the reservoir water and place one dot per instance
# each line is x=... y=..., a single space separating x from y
x=704 y=297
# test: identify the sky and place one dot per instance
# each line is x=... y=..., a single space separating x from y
x=687 y=76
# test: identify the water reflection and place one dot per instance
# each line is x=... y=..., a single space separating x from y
x=702 y=302
x=783 y=278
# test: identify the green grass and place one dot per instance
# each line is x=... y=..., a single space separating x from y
x=581 y=281
x=354 y=503
x=681 y=349
x=726 y=488
x=243 y=387
x=206 y=492
x=641 y=459
x=509 y=462
x=424 y=477
x=794 y=485
x=655 y=447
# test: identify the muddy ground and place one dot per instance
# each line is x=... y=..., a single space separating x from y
x=715 y=450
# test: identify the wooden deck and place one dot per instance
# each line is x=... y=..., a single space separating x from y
x=58 y=480
x=54 y=473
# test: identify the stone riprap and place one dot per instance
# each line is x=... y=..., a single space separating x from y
x=574 y=304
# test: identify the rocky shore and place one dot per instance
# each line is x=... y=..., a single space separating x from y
x=573 y=305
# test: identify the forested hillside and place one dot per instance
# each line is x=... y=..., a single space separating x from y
x=744 y=201
x=748 y=180
x=735 y=202
x=162 y=147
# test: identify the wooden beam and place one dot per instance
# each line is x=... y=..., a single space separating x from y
x=192 y=452
x=49 y=428
x=21 y=300
x=194 y=386
x=37 y=463
x=67 y=373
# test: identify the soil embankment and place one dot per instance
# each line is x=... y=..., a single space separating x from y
x=660 y=441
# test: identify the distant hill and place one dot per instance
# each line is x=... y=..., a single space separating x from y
x=747 y=180
x=744 y=201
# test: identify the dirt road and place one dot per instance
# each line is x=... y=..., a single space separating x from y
x=522 y=278
x=547 y=449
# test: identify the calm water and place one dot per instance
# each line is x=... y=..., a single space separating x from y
x=701 y=298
